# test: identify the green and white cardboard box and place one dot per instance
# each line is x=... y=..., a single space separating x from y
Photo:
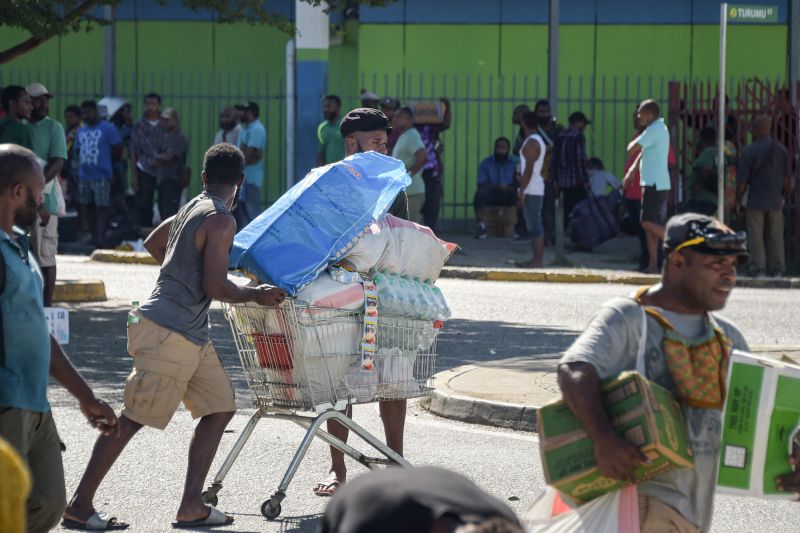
x=646 y=414
x=761 y=419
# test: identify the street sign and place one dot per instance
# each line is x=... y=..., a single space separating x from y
x=752 y=14
x=743 y=14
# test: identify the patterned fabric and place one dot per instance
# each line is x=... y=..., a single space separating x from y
x=698 y=368
x=146 y=140
x=569 y=159
x=430 y=137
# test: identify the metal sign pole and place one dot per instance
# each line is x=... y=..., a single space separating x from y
x=723 y=37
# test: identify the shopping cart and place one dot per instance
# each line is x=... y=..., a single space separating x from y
x=303 y=364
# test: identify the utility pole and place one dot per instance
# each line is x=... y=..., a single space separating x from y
x=109 y=53
x=552 y=89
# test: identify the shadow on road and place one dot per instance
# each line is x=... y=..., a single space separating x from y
x=469 y=341
x=98 y=347
x=300 y=524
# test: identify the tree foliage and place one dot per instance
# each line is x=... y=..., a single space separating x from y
x=45 y=19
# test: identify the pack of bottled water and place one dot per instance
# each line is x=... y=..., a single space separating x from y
x=402 y=296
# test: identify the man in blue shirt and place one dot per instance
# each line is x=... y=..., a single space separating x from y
x=96 y=143
x=652 y=151
x=496 y=182
x=252 y=142
x=28 y=354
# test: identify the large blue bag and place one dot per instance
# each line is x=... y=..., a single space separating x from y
x=318 y=220
x=592 y=222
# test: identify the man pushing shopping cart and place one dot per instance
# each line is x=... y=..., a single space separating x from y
x=173 y=357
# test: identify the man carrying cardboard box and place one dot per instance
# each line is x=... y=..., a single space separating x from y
x=669 y=334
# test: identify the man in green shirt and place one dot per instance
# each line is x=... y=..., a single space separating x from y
x=14 y=129
x=331 y=143
x=49 y=145
x=411 y=151
x=702 y=179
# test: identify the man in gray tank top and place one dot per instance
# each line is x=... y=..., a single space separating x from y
x=173 y=357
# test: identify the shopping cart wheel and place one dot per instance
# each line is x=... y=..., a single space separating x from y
x=271 y=509
x=210 y=500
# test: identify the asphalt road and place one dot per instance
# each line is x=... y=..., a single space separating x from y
x=491 y=320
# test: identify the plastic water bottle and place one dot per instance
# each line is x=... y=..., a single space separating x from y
x=441 y=305
x=385 y=296
x=404 y=299
x=423 y=302
x=431 y=305
x=133 y=317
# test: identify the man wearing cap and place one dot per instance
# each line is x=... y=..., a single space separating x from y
x=331 y=143
x=370 y=99
x=365 y=130
x=570 y=165
x=665 y=331
x=49 y=145
x=252 y=142
x=423 y=499
x=171 y=159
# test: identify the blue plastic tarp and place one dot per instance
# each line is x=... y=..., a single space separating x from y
x=318 y=220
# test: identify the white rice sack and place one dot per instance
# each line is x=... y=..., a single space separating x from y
x=412 y=250
x=367 y=252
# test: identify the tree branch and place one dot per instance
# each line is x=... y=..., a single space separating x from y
x=36 y=40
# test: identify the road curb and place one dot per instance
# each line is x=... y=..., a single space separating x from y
x=77 y=291
x=486 y=274
x=484 y=412
x=116 y=256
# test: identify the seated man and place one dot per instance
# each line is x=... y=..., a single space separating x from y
x=496 y=183
x=603 y=182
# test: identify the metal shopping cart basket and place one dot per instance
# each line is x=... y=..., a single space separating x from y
x=303 y=364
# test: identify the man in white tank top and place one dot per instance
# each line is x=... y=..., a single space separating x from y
x=531 y=189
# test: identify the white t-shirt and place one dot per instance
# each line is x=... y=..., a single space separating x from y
x=536 y=185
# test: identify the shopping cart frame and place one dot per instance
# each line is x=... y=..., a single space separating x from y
x=309 y=415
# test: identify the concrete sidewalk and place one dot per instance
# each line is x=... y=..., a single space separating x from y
x=492 y=259
x=614 y=261
x=507 y=393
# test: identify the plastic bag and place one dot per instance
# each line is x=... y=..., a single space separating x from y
x=396 y=374
x=326 y=292
x=318 y=220
x=615 y=512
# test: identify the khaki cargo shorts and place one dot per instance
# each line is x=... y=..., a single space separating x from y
x=168 y=369
x=656 y=516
